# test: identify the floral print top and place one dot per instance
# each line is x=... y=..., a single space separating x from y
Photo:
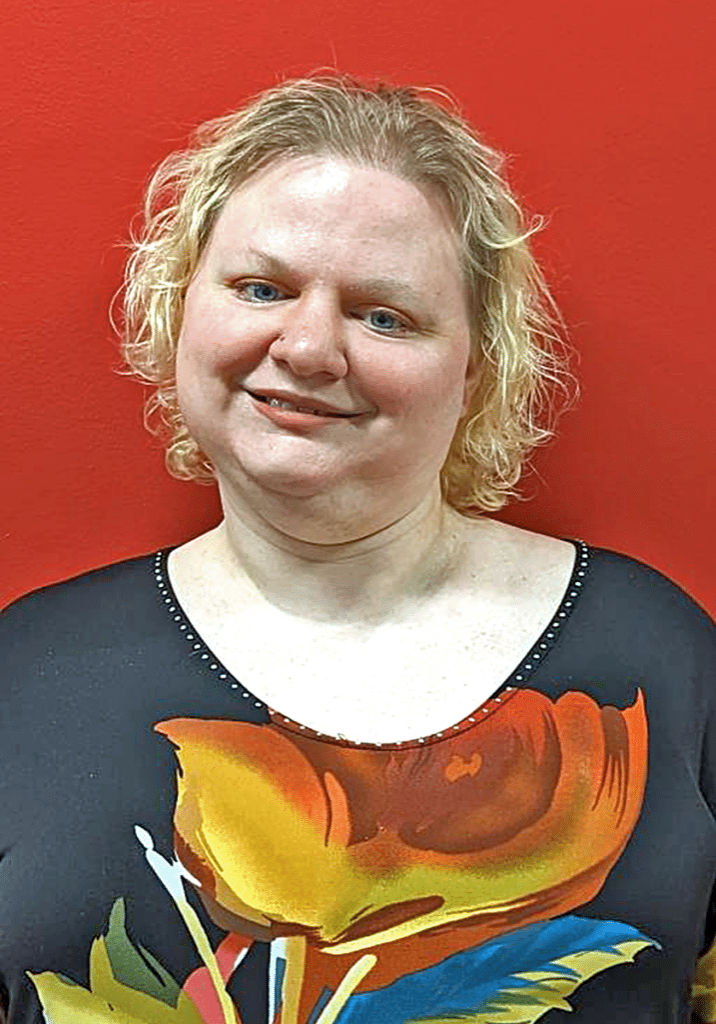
x=172 y=850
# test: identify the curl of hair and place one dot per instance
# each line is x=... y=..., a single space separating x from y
x=419 y=135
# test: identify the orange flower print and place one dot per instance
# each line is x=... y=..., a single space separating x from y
x=515 y=820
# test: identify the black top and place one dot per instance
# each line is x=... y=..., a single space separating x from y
x=161 y=829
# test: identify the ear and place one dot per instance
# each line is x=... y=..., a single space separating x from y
x=472 y=379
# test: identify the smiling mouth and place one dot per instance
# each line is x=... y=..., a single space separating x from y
x=282 y=403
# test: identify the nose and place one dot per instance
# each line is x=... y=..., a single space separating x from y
x=312 y=341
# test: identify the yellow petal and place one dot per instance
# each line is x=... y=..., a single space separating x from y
x=704 y=987
x=65 y=1003
x=108 y=1000
x=259 y=854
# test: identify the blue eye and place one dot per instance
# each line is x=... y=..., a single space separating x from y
x=260 y=291
x=382 y=320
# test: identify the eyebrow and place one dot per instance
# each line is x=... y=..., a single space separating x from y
x=400 y=291
x=268 y=262
x=391 y=288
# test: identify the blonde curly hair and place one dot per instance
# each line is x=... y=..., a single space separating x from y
x=419 y=135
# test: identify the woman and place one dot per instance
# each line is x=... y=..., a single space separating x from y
x=361 y=753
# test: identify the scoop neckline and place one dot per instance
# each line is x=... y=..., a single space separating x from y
x=207 y=661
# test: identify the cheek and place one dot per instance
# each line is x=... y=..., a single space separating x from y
x=214 y=342
x=422 y=384
x=202 y=361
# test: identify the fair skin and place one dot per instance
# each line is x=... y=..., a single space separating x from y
x=323 y=364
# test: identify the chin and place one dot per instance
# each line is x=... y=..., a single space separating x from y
x=284 y=481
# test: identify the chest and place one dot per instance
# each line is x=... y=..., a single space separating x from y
x=394 y=682
x=425 y=664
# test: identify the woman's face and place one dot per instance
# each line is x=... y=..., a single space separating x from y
x=325 y=346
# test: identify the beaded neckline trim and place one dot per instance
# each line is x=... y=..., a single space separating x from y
x=516 y=681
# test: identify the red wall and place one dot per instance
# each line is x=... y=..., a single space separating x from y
x=608 y=109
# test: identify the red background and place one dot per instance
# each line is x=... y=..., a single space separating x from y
x=608 y=111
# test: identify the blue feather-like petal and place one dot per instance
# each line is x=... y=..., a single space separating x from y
x=464 y=982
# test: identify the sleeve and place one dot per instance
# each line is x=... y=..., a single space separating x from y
x=25 y=658
x=703 y=988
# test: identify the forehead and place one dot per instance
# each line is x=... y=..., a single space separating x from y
x=324 y=208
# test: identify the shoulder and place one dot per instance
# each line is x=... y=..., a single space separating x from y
x=91 y=605
x=632 y=622
x=620 y=599
x=618 y=584
x=641 y=595
x=66 y=649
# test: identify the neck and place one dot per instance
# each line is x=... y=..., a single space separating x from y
x=359 y=582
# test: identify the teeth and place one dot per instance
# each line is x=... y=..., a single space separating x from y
x=280 y=403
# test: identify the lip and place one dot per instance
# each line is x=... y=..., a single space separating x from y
x=308 y=406
x=292 y=419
